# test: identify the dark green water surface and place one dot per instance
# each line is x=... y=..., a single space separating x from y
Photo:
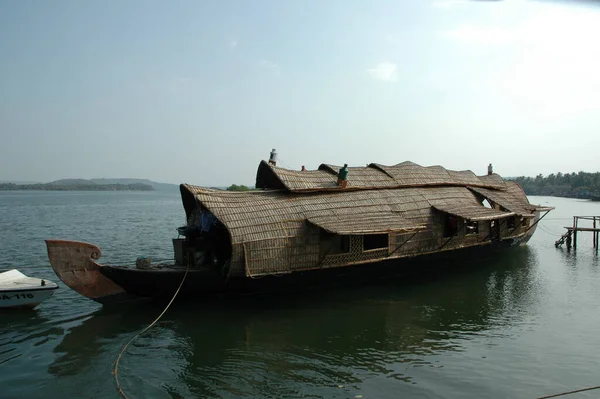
x=523 y=325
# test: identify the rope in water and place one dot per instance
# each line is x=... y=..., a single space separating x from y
x=116 y=368
x=569 y=393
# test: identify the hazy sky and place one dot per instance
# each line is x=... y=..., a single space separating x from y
x=201 y=91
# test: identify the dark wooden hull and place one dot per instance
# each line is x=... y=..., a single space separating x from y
x=198 y=284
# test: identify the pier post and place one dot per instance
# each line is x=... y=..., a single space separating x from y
x=594 y=239
x=575 y=220
x=596 y=234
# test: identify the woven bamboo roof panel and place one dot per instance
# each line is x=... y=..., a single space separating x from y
x=361 y=177
x=516 y=190
x=474 y=213
x=372 y=176
x=260 y=215
x=305 y=180
x=509 y=199
x=493 y=179
x=371 y=223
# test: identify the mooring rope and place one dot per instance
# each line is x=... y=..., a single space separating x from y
x=552 y=233
x=556 y=395
x=116 y=368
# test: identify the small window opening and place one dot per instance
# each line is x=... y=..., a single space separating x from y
x=524 y=222
x=375 y=241
x=331 y=244
x=472 y=227
x=494 y=230
x=511 y=223
x=344 y=244
x=486 y=203
x=450 y=226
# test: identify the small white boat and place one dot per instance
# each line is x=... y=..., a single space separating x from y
x=19 y=291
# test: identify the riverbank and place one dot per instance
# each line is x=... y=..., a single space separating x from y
x=580 y=185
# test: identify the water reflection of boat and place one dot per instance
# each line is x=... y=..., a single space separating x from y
x=325 y=339
x=84 y=343
x=316 y=227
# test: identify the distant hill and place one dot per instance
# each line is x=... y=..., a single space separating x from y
x=71 y=182
x=77 y=185
x=18 y=182
x=98 y=184
x=157 y=186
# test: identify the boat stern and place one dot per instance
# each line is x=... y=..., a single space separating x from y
x=74 y=262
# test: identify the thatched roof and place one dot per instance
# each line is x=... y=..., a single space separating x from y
x=511 y=199
x=372 y=176
x=473 y=213
x=371 y=223
x=251 y=216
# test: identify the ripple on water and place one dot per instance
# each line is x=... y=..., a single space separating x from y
x=521 y=325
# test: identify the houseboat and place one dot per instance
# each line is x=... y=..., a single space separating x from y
x=302 y=228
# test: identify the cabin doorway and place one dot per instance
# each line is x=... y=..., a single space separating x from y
x=207 y=242
x=219 y=247
x=450 y=225
x=495 y=230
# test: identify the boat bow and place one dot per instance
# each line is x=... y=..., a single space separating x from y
x=74 y=262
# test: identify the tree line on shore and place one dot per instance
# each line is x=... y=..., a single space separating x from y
x=241 y=187
x=76 y=187
x=571 y=185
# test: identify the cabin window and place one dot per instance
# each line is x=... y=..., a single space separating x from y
x=375 y=241
x=472 y=227
x=511 y=223
x=525 y=222
x=332 y=244
x=344 y=244
x=494 y=230
x=450 y=226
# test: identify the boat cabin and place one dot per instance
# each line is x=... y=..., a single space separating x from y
x=339 y=216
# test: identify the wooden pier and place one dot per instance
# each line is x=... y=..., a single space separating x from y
x=570 y=237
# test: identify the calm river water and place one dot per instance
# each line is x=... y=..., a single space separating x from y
x=521 y=326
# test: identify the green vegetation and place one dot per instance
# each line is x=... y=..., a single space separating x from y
x=235 y=187
x=572 y=185
x=157 y=186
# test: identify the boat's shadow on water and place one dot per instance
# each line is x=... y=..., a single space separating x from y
x=318 y=338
